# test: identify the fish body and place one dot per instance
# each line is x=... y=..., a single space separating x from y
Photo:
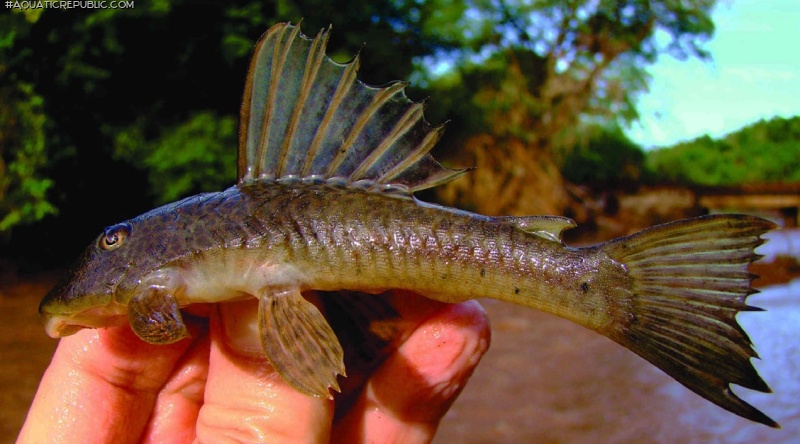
x=327 y=171
x=320 y=237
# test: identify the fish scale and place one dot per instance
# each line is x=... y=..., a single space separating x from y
x=310 y=215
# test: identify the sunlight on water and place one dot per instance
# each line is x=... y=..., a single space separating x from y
x=780 y=243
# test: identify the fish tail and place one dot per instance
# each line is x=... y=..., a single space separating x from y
x=689 y=280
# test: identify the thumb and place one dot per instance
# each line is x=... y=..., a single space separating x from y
x=407 y=396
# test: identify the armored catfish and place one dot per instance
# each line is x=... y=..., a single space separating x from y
x=327 y=168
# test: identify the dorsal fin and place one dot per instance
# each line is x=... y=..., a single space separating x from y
x=306 y=117
x=548 y=227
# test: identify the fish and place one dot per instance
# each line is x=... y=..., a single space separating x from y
x=328 y=168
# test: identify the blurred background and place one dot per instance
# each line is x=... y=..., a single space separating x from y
x=619 y=114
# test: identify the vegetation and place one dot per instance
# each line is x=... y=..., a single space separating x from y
x=764 y=152
x=528 y=74
x=23 y=187
x=604 y=157
x=767 y=151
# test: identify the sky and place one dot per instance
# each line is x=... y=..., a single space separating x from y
x=754 y=74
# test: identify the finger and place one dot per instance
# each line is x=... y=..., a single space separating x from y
x=406 y=398
x=100 y=384
x=178 y=404
x=245 y=399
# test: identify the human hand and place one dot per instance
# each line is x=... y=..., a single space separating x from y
x=109 y=386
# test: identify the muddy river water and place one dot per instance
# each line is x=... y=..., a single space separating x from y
x=544 y=380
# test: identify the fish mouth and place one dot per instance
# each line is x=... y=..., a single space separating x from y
x=59 y=325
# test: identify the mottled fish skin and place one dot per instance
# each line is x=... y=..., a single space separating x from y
x=327 y=170
x=345 y=238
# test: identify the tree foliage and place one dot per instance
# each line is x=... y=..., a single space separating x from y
x=23 y=189
x=535 y=69
x=605 y=158
x=23 y=186
x=536 y=72
x=193 y=156
x=148 y=97
x=764 y=152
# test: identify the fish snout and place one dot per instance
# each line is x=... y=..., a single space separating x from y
x=59 y=326
x=64 y=314
x=52 y=314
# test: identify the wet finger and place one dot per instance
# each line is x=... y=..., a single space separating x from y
x=178 y=404
x=406 y=398
x=100 y=384
x=245 y=400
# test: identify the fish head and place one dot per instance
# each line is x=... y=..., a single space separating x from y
x=85 y=298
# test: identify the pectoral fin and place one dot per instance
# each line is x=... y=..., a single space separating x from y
x=155 y=316
x=299 y=343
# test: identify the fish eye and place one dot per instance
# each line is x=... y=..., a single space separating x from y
x=114 y=236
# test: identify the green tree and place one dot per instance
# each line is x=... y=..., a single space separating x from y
x=196 y=155
x=535 y=71
x=604 y=157
x=127 y=108
x=150 y=95
x=23 y=186
x=559 y=61
x=764 y=152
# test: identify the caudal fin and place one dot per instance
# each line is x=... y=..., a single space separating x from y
x=690 y=280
